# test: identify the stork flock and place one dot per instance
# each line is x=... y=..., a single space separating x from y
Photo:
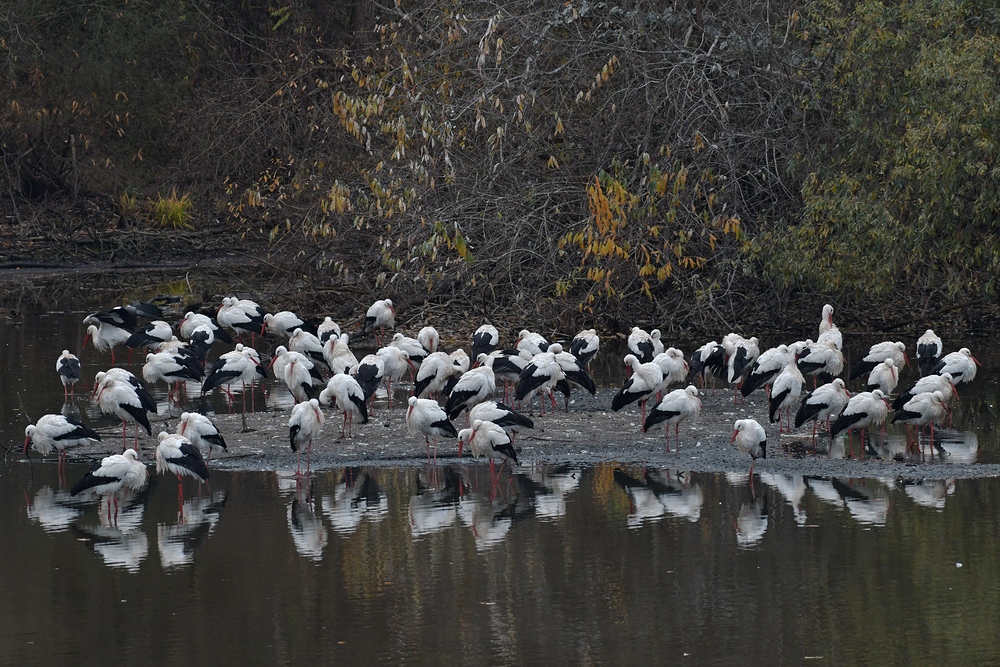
x=316 y=363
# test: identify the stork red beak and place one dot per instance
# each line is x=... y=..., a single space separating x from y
x=906 y=358
x=85 y=341
x=976 y=360
x=27 y=441
x=954 y=389
x=733 y=439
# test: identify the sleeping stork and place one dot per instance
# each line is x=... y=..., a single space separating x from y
x=741 y=354
x=172 y=369
x=678 y=405
x=825 y=402
x=326 y=329
x=643 y=345
x=150 y=335
x=768 y=364
x=414 y=350
x=242 y=316
x=111 y=475
x=230 y=368
x=929 y=350
x=785 y=392
x=485 y=340
x=878 y=353
x=533 y=343
x=540 y=376
x=433 y=375
x=585 y=346
x=297 y=371
x=349 y=397
x=178 y=455
x=283 y=323
x=576 y=374
x=865 y=409
x=68 y=369
x=338 y=355
x=304 y=425
x=708 y=362
x=944 y=383
x=306 y=343
x=202 y=432
x=473 y=387
x=192 y=321
x=884 y=377
x=675 y=368
x=395 y=363
x=380 y=316
x=425 y=417
x=121 y=399
x=641 y=384
x=921 y=410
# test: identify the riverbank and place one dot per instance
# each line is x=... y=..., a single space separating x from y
x=590 y=433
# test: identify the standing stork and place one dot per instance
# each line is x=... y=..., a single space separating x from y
x=929 y=350
x=111 y=475
x=230 y=368
x=122 y=400
x=533 y=342
x=750 y=438
x=576 y=374
x=868 y=408
x=349 y=397
x=473 y=387
x=829 y=334
x=68 y=369
x=921 y=410
x=425 y=417
x=429 y=338
x=202 y=432
x=485 y=340
x=585 y=346
x=540 y=376
x=785 y=392
x=884 y=377
x=641 y=384
x=489 y=440
x=304 y=424
x=878 y=353
x=826 y=401
x=961 y=365
x=59 y=433
x=242 y=316
x=678 y=405
x=150 y=335
x=395 y=362
x=192 y=321
x=381 y=315
x=283 y=323
x=178 y=455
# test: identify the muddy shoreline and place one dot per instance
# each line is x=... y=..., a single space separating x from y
x=589 y=434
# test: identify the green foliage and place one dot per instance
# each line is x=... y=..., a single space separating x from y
x=906 y=188
x=171 y=211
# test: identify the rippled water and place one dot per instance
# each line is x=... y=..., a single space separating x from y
x=598 y=565
x=568 y=566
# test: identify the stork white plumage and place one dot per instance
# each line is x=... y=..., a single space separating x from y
x=708 y=362
x=501 y=415
x=641 y=384
x=242 y=316
x=68 y=370
x=304 y=425
x=177 y=455
x=339 y=356
x=425 y=417
x=485 y=340
x=825 y=402
x=380 y=316
x=829 y=334
x=192 y=321
x=576 y=374
x=414 y=350
x=922 y=410
x=865 y=409
x=944 y=383
x=429 y=338
x=121 y=399
x=878 y=353
x=326 y=329
x=741 y=355
x=768 y=365
x=433 y=375
x=751 y=439
x=370 y=373
x=172 y=369
x=111 y=475
x=473 y=387
x=395 y=363
x=308 y=344
x=105 y=337
x=821 y=360
x=59 y=433
x=785 y=392
x=202 y=432
x=540 y=376
x=929 y=351
x=236 y=366
x=675 y=407
x=297 y=371
x=585 y=346
x=961 y=365
x=641 y=344
x=884 y=376
x=284 y=323
x=348 y=396
x=533 y=343
x=675 y=369
x=150 y=335
x=489 y=440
